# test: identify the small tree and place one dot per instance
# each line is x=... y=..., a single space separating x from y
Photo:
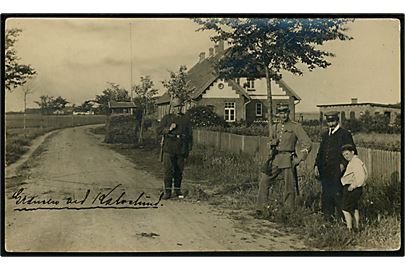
x=145 y=98
x=50 y=104
x=44 y=103
x=178 y=85
x=85 y=106
x=59 y=103
x=27 y=90
x=16 y=74
x=264 y=47
x=112 y=93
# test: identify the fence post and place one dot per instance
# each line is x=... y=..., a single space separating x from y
x=370 y=161
x=243 y=144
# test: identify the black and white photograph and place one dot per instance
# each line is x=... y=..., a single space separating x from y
x=167 y=134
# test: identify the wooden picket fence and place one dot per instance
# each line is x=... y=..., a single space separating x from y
x=382 y=165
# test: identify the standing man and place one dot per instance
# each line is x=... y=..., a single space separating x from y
x=283 y=159
x=330 y=164
x=178 y=141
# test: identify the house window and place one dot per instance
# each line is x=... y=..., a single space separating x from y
x=250 y=84
x=237 y=80
x=259 y=109
x=342 y=117
x=352 y=115
x=230 y=111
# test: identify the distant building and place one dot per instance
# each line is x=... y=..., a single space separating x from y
x=355 y=109
x=33 y=111
x=240 y=99
x=121 y=107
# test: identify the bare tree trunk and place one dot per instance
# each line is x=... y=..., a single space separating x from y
x=269 y=101
x=140 y=139
x=25 y=108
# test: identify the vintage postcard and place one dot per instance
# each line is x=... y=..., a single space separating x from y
x=185 y=135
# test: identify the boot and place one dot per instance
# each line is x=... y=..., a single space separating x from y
x=178 y=193
x=167 y=194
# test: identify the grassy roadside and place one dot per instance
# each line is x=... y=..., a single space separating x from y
x=230 y=181
x=18 y=142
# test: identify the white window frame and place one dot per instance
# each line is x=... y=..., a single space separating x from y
x=230 y=112
x=259 y=105
x=250 y=84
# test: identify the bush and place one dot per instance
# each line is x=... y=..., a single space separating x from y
x=204 y=116
x=121 y=129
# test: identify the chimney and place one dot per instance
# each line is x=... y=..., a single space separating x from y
x=216 y=49
x=221 y=46
x=354 y=100
x=211 y=52
x=202 y=56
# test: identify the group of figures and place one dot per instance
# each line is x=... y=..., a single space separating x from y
x=341 y=173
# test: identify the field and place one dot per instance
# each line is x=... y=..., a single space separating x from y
x=18 y=139
x=51 y=121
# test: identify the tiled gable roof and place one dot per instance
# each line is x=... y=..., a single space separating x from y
x=203 y=74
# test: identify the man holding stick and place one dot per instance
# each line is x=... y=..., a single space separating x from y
x=177 y=143
x=283 y=159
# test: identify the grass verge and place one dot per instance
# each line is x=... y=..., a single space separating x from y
x=18 y=142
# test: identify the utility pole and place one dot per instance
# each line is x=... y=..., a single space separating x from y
x=130 y=53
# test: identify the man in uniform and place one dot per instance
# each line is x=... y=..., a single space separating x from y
x=330 y=164
x=283 y=159
x=178 y=140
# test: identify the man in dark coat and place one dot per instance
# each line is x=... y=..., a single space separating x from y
x=178 y=140
x=330 y=165
x=287 y=135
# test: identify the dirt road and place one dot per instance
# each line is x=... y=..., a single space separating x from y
x=73 y=163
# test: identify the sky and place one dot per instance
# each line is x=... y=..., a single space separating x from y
x=75 y=58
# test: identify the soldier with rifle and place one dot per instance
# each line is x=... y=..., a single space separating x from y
x=176 y=131
x=283 y=159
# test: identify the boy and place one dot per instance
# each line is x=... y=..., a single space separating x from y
x=353 y=181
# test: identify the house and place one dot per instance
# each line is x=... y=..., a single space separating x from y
x=355 y=110
x=121 y=107
x=241 y=99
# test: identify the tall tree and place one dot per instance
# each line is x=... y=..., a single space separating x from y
x=112 y=93
x=16 y=74
x=264 y=47
x=145 y=93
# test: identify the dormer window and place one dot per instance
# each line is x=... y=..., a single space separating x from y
x=250 y=84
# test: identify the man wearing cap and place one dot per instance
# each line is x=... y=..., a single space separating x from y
x=330 y=164
x=284 y=159
x=178 y=140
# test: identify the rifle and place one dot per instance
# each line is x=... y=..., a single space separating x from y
x=162 y=142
